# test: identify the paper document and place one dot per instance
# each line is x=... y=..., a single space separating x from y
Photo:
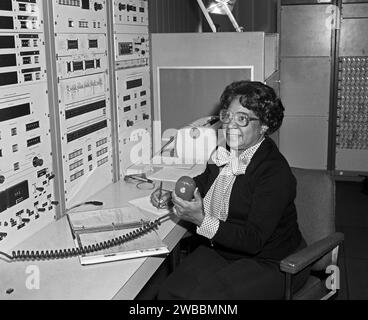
x=97 y=227
x=146 y=205
x=173 y=174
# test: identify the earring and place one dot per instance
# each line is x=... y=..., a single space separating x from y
x=263 y=131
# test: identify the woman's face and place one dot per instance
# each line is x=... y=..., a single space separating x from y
x=241 y=138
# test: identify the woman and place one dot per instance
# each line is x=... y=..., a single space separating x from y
x=243 y=207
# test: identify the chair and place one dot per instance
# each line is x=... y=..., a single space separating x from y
x=315 y=203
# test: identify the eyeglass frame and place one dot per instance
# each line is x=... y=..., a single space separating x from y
x=248 y=118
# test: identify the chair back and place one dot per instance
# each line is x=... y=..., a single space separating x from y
x=315 y=204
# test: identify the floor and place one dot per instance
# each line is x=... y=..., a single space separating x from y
x=352 y=220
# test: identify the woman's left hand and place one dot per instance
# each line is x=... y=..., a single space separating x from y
x=191 y=211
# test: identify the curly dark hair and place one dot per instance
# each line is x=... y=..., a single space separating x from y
x=259 y=98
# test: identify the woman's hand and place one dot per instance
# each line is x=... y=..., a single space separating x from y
x=191 y=211
x=161 y=203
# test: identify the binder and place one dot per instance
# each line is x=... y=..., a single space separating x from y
x=97 y=226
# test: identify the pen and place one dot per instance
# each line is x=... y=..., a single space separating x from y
x=135 y=177
x=160 y=195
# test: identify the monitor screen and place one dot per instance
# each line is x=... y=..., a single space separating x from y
x=187 y=94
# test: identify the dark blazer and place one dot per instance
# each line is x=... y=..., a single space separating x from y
x=262 y=220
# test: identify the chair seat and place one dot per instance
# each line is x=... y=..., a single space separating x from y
x=313 y=289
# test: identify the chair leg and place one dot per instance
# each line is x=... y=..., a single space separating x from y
x=288 y=286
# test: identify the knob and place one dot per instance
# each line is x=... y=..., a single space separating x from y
x=98 y=6
x=2 y=179
x=37 y=162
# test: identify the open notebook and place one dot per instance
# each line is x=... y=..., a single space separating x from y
x=97 y=226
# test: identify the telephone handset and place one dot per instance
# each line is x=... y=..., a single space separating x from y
x=69 y=253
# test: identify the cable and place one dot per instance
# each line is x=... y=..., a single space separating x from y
x=73 y=252
x=142 y=180
x=93 y=203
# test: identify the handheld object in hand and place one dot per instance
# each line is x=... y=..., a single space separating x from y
x=185 y=187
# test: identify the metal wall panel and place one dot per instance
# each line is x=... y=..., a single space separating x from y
x=303 y=141
x=304 y=31
x=351 y=160
x=354 y=40
x=352 y=108
x=305 y=75
x=170 y=16
x=295 y=2
x=354 y=1
x=356 y=10
x=305 y=86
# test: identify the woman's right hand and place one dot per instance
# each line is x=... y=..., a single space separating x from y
x=165 y=201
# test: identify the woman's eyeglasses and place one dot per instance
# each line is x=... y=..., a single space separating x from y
x=241 y=119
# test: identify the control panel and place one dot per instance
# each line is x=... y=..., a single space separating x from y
x=352 y=117
x=22 y=58
x=83 y=95
x=134 y=115
x=132 y=56
x=131 y=50
x=131 y=12
x=27 y=201
x=80 y=16
x=21 y=16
